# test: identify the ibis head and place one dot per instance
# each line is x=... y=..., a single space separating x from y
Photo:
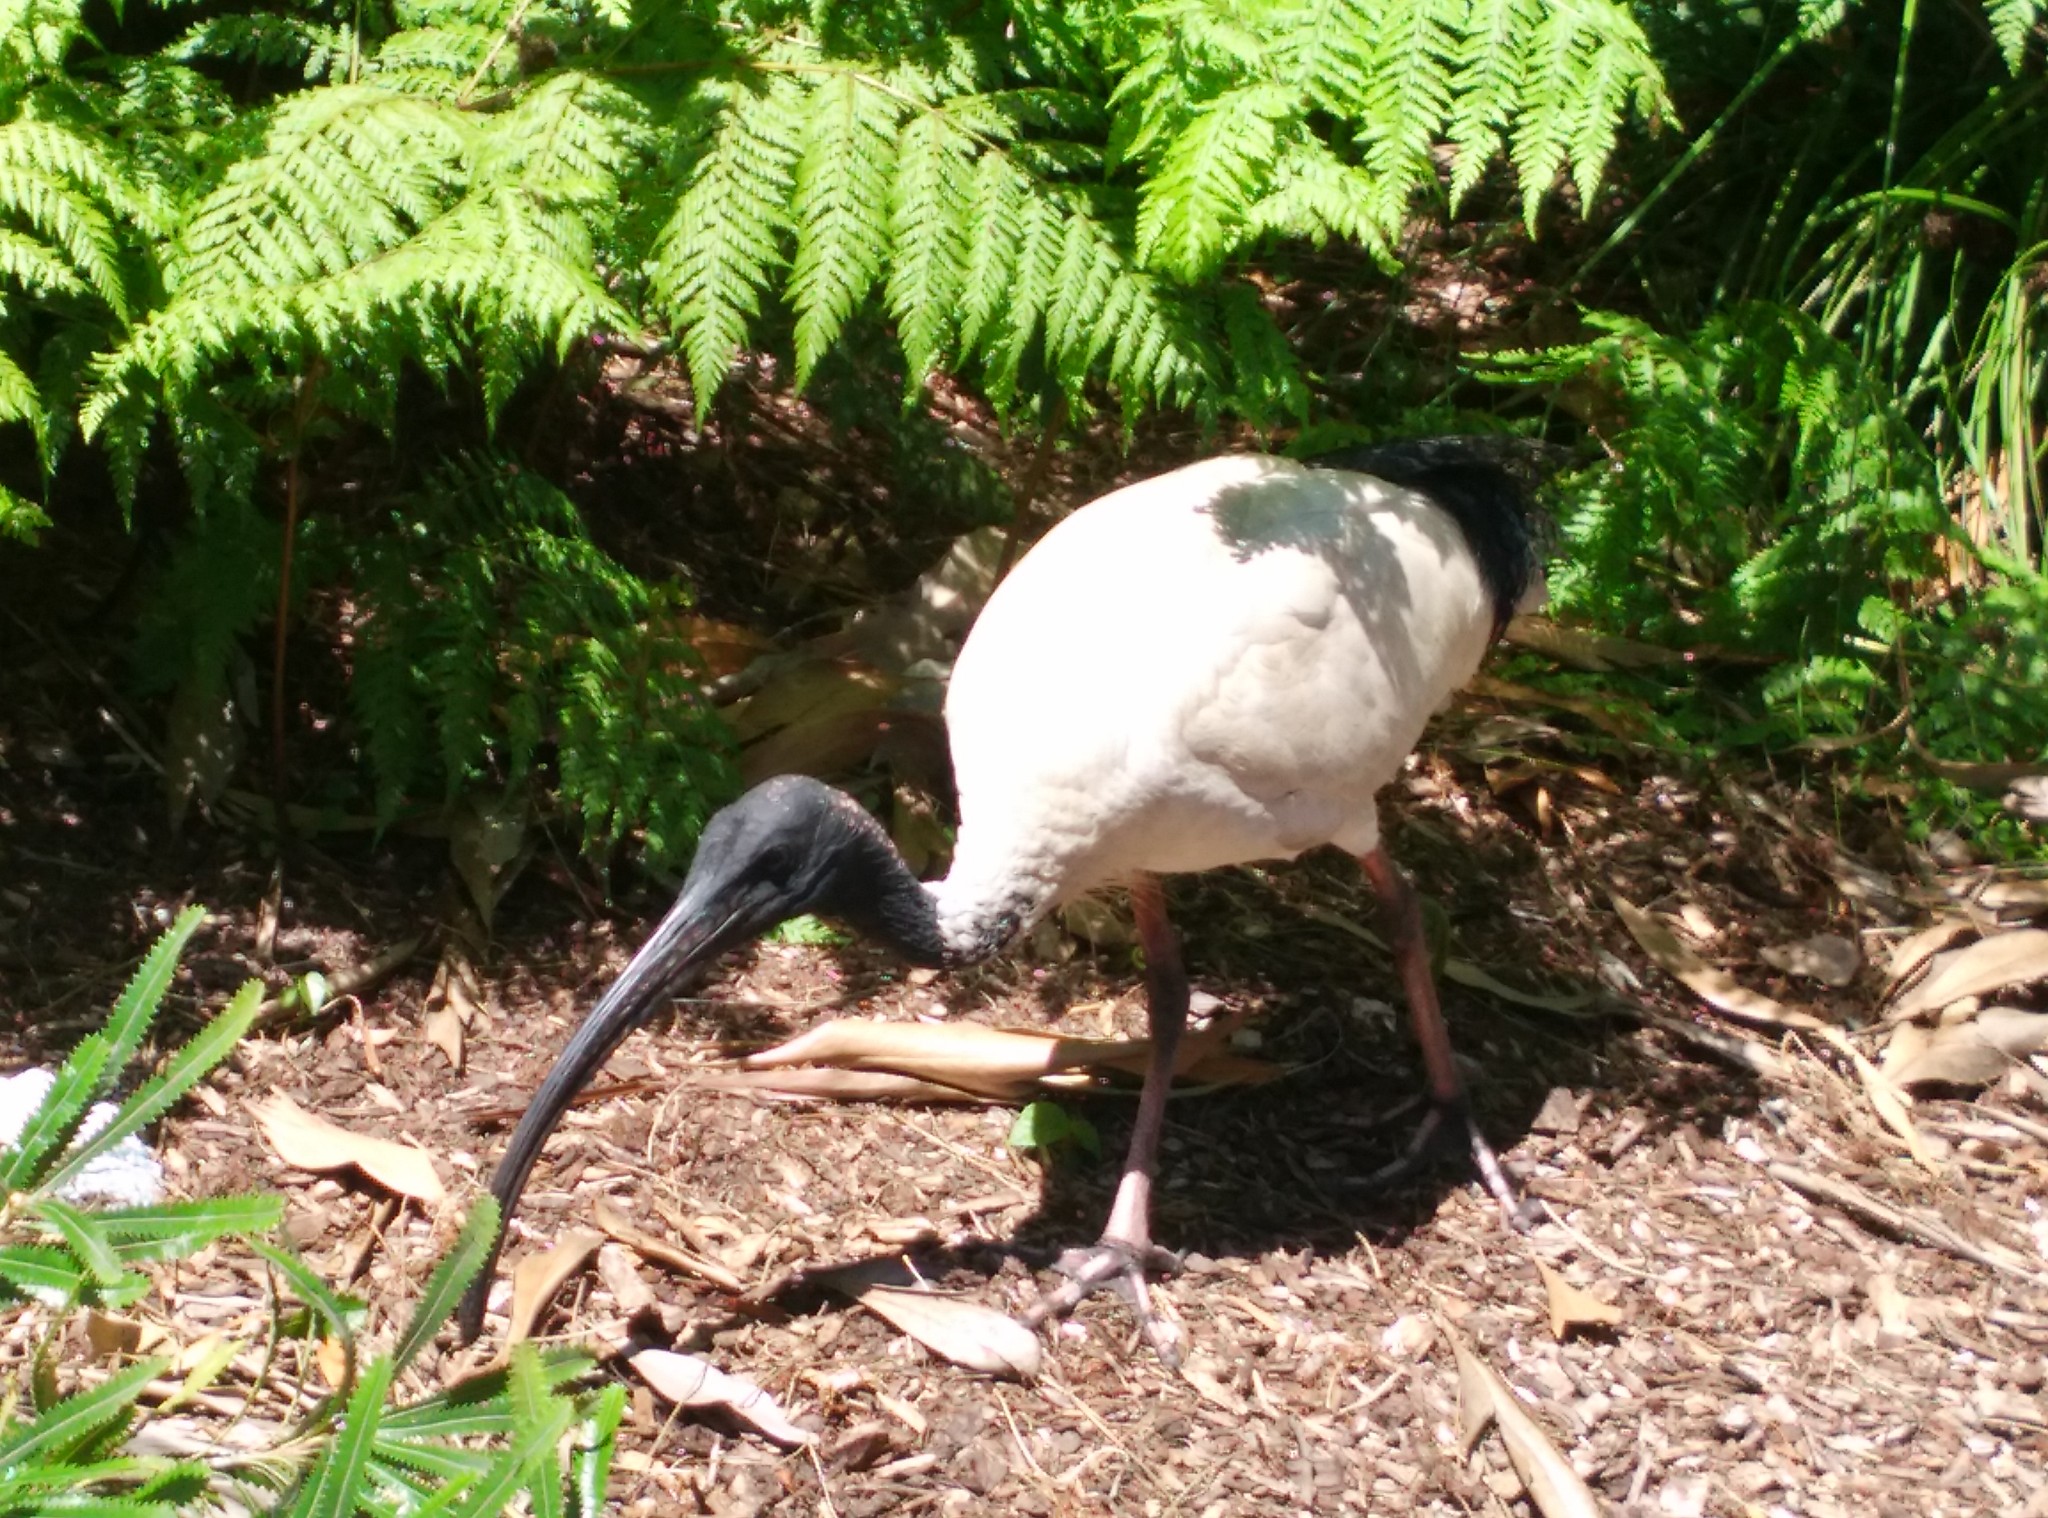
x=789 y=846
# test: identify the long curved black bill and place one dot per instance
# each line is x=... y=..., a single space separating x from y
x=695 y=932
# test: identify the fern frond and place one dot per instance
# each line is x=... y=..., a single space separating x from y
x=438 y=61
x=67 y=192
x=714 y=257
x=1582 y=62
x=1215 y=166
x=2013 y=24
x=840 y=204
x=1407 y=97
x=929 y=236
x=995 y=230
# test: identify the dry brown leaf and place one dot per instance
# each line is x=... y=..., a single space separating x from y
x=1571 y=1307
x=537 y=1278
x=653 y=1247
x=1974 y=1052
x=966 y=1333
x=1911 y=955
x=1548 y=1477
x=1716 y=987
x=622 y=1279
x=1829 y=958
x=1722 y=990
x=998 y=1063
x=1990 y=964
x=690 y=1382
x=309 y=1142
x=110 y=1335
x=825 y=1084
x=2015 y=898
x=444 y=1031
x=332 y=1358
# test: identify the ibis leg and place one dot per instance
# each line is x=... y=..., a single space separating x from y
x=1401 y=921
x=1120 y=1258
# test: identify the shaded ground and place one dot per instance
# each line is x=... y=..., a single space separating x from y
x=1774 y=1355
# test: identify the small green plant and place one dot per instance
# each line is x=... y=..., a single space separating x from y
x=358 y=1451
x=59 y=1254
x=808 y=930
x=1046 y=1128
x=472 y=1449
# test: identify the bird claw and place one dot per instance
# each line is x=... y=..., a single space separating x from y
x=1119 y=1267
x=1522 y=1213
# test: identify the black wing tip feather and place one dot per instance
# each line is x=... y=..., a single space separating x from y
x=1487 y=485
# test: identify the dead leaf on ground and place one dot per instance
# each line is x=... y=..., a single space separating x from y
x=999 y=1063
x=653 y=1247
x=537 y=1278
x=331 y=1356
x=1484 y=1398
x=1990 y=964
x=622 y=1279
x=2015 y=900
x=815 y=1083
x=690 y=1382
x=1716 y=987
x=1572 y=1307
x=1974 y=1052
x=1720 y=989
x=1830 y=958
x=1911 y=955
x=955 y=1329
x=307 y=1141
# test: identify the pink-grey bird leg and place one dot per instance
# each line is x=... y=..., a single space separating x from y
x=1120 y=1258
x=1401 y=921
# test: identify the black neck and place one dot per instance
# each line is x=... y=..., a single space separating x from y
x=880 y=899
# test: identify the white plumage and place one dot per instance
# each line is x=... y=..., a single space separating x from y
x=1217 y=665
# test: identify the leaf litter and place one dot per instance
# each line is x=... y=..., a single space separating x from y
x=1819 y=1350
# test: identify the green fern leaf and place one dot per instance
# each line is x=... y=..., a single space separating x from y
x=841 y=205
x=929 y=236
x=2013 y=23
x=1193 y=205
x=714 y=257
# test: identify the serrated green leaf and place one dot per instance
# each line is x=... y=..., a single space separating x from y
x=41 y=1274
x=314 y=1292
x=450 y=1278
x=98 y=1060
x=597 y=1439
x=70 y=1426
x=88 y=1240
x=185 y=1069
x=175 y=1230
x=336 y=1483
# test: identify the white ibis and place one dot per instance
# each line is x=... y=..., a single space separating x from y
x=1219 y=665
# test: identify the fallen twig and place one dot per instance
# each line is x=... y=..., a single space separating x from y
x=1871 y=1211
x=352 y=980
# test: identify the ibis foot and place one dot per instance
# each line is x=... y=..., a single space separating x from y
x=1118 y=1266
x=1438 y=1132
